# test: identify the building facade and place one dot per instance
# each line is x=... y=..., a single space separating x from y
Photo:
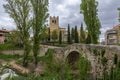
x=54 y=26
x=3 y=36
x=112 y=36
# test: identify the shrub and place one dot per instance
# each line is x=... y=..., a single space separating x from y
x=115 y=59
x=6 y=46
x=104 y=60
x=102 y=52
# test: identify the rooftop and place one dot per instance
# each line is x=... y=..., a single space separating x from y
x=4 y=31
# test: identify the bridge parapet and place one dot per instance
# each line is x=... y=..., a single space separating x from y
x=94 y=53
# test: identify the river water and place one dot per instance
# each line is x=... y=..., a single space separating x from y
x=6 y=73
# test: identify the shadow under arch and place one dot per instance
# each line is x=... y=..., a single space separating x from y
x=73 y=57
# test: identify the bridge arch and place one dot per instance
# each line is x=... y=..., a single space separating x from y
x=67 y=52
x=73 y=57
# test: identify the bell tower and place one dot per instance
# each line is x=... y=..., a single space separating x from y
x=54 y=23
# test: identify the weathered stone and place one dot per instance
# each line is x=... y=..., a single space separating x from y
x=86 y=50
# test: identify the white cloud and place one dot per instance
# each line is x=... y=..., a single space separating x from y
x=68 y=12
x=72 y=2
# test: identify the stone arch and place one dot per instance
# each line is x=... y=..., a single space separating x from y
x=68 y=51
x=73 y=57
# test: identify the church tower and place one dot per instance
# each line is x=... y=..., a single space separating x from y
x=54 y=23
x=54 y=26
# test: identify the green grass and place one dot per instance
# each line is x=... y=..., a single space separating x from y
x=9 y=46
x=9 y=57
x=6 y=46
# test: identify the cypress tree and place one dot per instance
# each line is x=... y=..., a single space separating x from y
x=49 y=34
x=76 y=35
x=82 y=34
x=60 y=37
x=69 y=37
x=72 y=34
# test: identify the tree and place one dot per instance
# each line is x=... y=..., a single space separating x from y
x=44 y=35
x=76 y=35
x=83 y=68
x=119 y=14
x=60 y=37
x=15 y=40
x=49 y=34
x=82 y=34
x=69 y=37
x=119 y=26
x=73 y=34
x=54 y=35
x=88 y=39
x=40 y=15
x=19 y=12
x=89 y=11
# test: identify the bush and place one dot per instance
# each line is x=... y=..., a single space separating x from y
x=104 y=60
x=84 y=68
x=9 y=46
x=6 y=46
x=115 y=59
x=102 y=52
x=9 y=57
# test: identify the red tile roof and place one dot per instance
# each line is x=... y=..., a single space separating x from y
x=117 y=27
x=4 y=31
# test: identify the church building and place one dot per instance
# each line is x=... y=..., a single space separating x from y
x=54 y=26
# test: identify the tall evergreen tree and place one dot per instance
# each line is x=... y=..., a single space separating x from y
x=119 y=26
x=49 y=34
x=19 y=12
x=82 y=34
x=69 y=36
x=76 y=35
x=60 y=37
x=89 y=11
x=119 y=14
x=40 y=15
x=72 y=34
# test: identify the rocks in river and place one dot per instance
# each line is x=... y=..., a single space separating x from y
x=7 y=73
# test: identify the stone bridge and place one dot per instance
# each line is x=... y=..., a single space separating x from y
x=98 y=55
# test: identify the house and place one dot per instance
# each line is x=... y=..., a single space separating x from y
x=3 y=35
x=112 y=36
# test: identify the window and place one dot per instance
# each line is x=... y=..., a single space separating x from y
x=112 y=36
x=1 y=34
x=52 y=21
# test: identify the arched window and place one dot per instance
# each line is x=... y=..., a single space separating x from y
x=52 y=21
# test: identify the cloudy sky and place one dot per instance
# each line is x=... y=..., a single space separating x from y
x=69 y=13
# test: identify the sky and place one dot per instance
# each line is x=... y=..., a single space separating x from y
x=69 y=13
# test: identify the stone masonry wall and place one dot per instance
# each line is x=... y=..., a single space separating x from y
x=100 y=56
